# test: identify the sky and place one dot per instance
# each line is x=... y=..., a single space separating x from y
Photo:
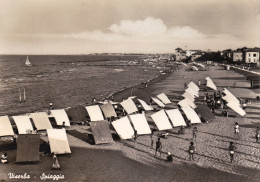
x=126 y=26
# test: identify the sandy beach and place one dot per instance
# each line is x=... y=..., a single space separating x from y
x=124 y=160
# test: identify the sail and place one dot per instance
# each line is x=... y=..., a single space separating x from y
x=27 y=62
x=24 y=96
x=20 y=96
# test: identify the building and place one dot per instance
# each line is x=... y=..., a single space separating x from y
x=180 y=54
x=237 y=56
x=195 y=56
x=252 y=56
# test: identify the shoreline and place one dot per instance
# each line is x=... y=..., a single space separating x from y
x=104 y=97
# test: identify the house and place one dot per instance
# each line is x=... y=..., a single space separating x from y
x=237 y=56
x=180 y=54
x=195 y=56
x=252 y=56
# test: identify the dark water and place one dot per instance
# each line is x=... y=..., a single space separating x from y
x=65 y=80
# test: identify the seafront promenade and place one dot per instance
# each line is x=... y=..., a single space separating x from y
x=124 y=160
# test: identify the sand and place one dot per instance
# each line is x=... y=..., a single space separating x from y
x=129 y=161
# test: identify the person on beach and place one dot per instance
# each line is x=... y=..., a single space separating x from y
x=93 y=100
x=152 y=139
x=181 y=131
x=194 y=133
x=158 y=147
x=135 y=135
x=236 y=132
x=191 y=151
x=231 y=149
x=55 y=164
x=4 y=158
x=63 y=124
x=257 y=134
x=199 y=83
x=169 y=157
x=51 y=107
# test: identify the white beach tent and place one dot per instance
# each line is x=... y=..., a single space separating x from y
x=192 y=92
x=161 y=120
x=95 y=113
x=5 y=126
x=236 y=108
x=194 y=86
x=158 y=102
x=145 y=106
x=41 y=120
x=58 y=141
x=140 y=124
x=23 y=124
x=210 y=83
x=191 y=115
x=129 y=106
x=187 y=95
x=176 y=117
x=187 y=103
x=123 y=128
x=60 y=116
x=230 y=97
x=164 y=98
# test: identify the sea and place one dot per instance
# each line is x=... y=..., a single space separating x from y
x=66 y=80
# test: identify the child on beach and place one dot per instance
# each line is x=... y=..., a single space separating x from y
x=191 y=151
x=152 y=139
x=169 y=157
x=236 y=133
x=231 y=149
x=257 y=134
x=4 y=158
x=158 y=147
x=55 y=164
x=194 y=133
x=135 y=135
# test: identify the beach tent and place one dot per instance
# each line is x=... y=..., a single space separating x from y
x=23 y=124
x=158 y=102
x=187 y=95
x=140 y=124
x=95 y=113
x=187 y=103
x=205 y=112
x=192 y=91
x=191 y=115
x=41 y=120
x=108 y=110
x=28 y=146
x=194 y=68
x=145 y=106
x=161 y=120
x=184 y=64
x=176 y=117
x=58 y=141
x=164 y=98
x=234 y=106
x=210 y=83
x=129 y=106
x=61 y=116
x=194 y=86
x=229 y=97
x=77 y=114
x=101 y=132
x=123 y=128
x=5 y=126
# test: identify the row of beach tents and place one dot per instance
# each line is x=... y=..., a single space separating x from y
x=163 y=118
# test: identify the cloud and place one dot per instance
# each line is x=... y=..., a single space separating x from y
x=146 y=27
x=149 y=30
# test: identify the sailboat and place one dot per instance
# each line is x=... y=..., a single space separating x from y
x=24 y=96
x=27 y=62
x=20 y=96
